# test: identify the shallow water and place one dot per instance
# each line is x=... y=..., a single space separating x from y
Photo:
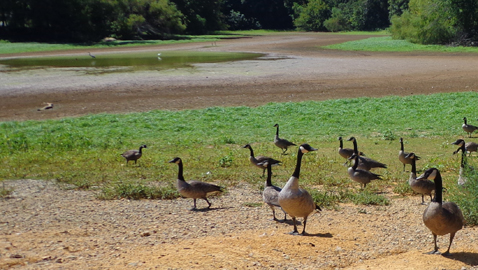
x=106 y=63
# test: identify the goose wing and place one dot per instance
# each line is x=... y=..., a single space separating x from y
x=205 y=187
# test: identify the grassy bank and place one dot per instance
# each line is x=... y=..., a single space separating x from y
x=387 y=44
x=7 y=47
x=85 y=152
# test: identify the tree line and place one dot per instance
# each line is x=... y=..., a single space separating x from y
x=423 y=21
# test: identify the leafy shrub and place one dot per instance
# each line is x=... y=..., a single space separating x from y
x=425 y=23
x=311 y=16
x=338 y=21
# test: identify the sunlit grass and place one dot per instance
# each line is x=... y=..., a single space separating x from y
x=387 y=44
x=7 y=47
x=85 y=151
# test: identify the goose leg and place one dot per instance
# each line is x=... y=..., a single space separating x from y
x=263 y=172
x=295 y=226
x=435 y=251
x=273 y=212
x=194 y=208
x=403 y=167
x=209 y=204
x=285 y=215
x=423 y=200
x=452 y=235
x=305 y=223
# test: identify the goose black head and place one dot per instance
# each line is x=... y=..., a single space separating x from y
x=351 y=139
x=305 y=148
x=429 y=174
x=276 y=125
x=340 y=138
x=247 y=146
x=459 y=142
x=175 y=160
x=144 y=146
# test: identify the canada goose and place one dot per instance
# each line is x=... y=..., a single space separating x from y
x=441 y=218
x=270 y=195
x=193 y=189
x=365 y=163
x=260 y=161
x=402 y=156
x=134 y=154
x=359 y=175
x=424 y=186
x=471 y=147
x=468 y=128
x=296 y=201
x=463 y=164
x=281 y=143
x=346 y=152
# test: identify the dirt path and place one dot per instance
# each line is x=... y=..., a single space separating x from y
x=43 y=226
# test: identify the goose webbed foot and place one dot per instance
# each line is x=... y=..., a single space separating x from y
x=434 y=252
x=294 y=233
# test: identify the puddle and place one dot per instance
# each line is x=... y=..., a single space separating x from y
x=126 y=62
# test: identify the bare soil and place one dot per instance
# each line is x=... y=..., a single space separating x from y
x=47 y=226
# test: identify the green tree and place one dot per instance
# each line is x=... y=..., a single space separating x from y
x=337 y=22
x=146 y=18
x=311 y=17
x=202 y=16
x=426 y=22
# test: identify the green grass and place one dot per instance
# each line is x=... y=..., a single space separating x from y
x=85 y=151
x=7 y=47
x=387 y=44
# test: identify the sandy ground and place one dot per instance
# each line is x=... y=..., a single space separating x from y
x=46 y=226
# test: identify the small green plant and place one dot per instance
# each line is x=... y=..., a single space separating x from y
x=225 y=161
x=252 y=204
x=367 y=197
x=136 y=191
x=388 y=135
x=5 y=192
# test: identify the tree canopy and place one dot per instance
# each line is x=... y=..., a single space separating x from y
x=423 y=21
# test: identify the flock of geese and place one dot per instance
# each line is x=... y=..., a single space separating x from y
x=440 y=217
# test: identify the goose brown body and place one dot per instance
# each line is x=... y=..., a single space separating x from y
x=261 y=161
x=134 y=154
x=402 y=156
x=462 y=179
x=468 y=128
x=365 y=163
x=424 y=186
x=193 y=189
x=295 y=201
x=281 y=143
x=270 y=195
x=359 y=175
x=441 y=218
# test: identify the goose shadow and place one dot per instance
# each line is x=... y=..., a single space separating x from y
x=322 y=235
x=208 y=209
x=464 y=257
